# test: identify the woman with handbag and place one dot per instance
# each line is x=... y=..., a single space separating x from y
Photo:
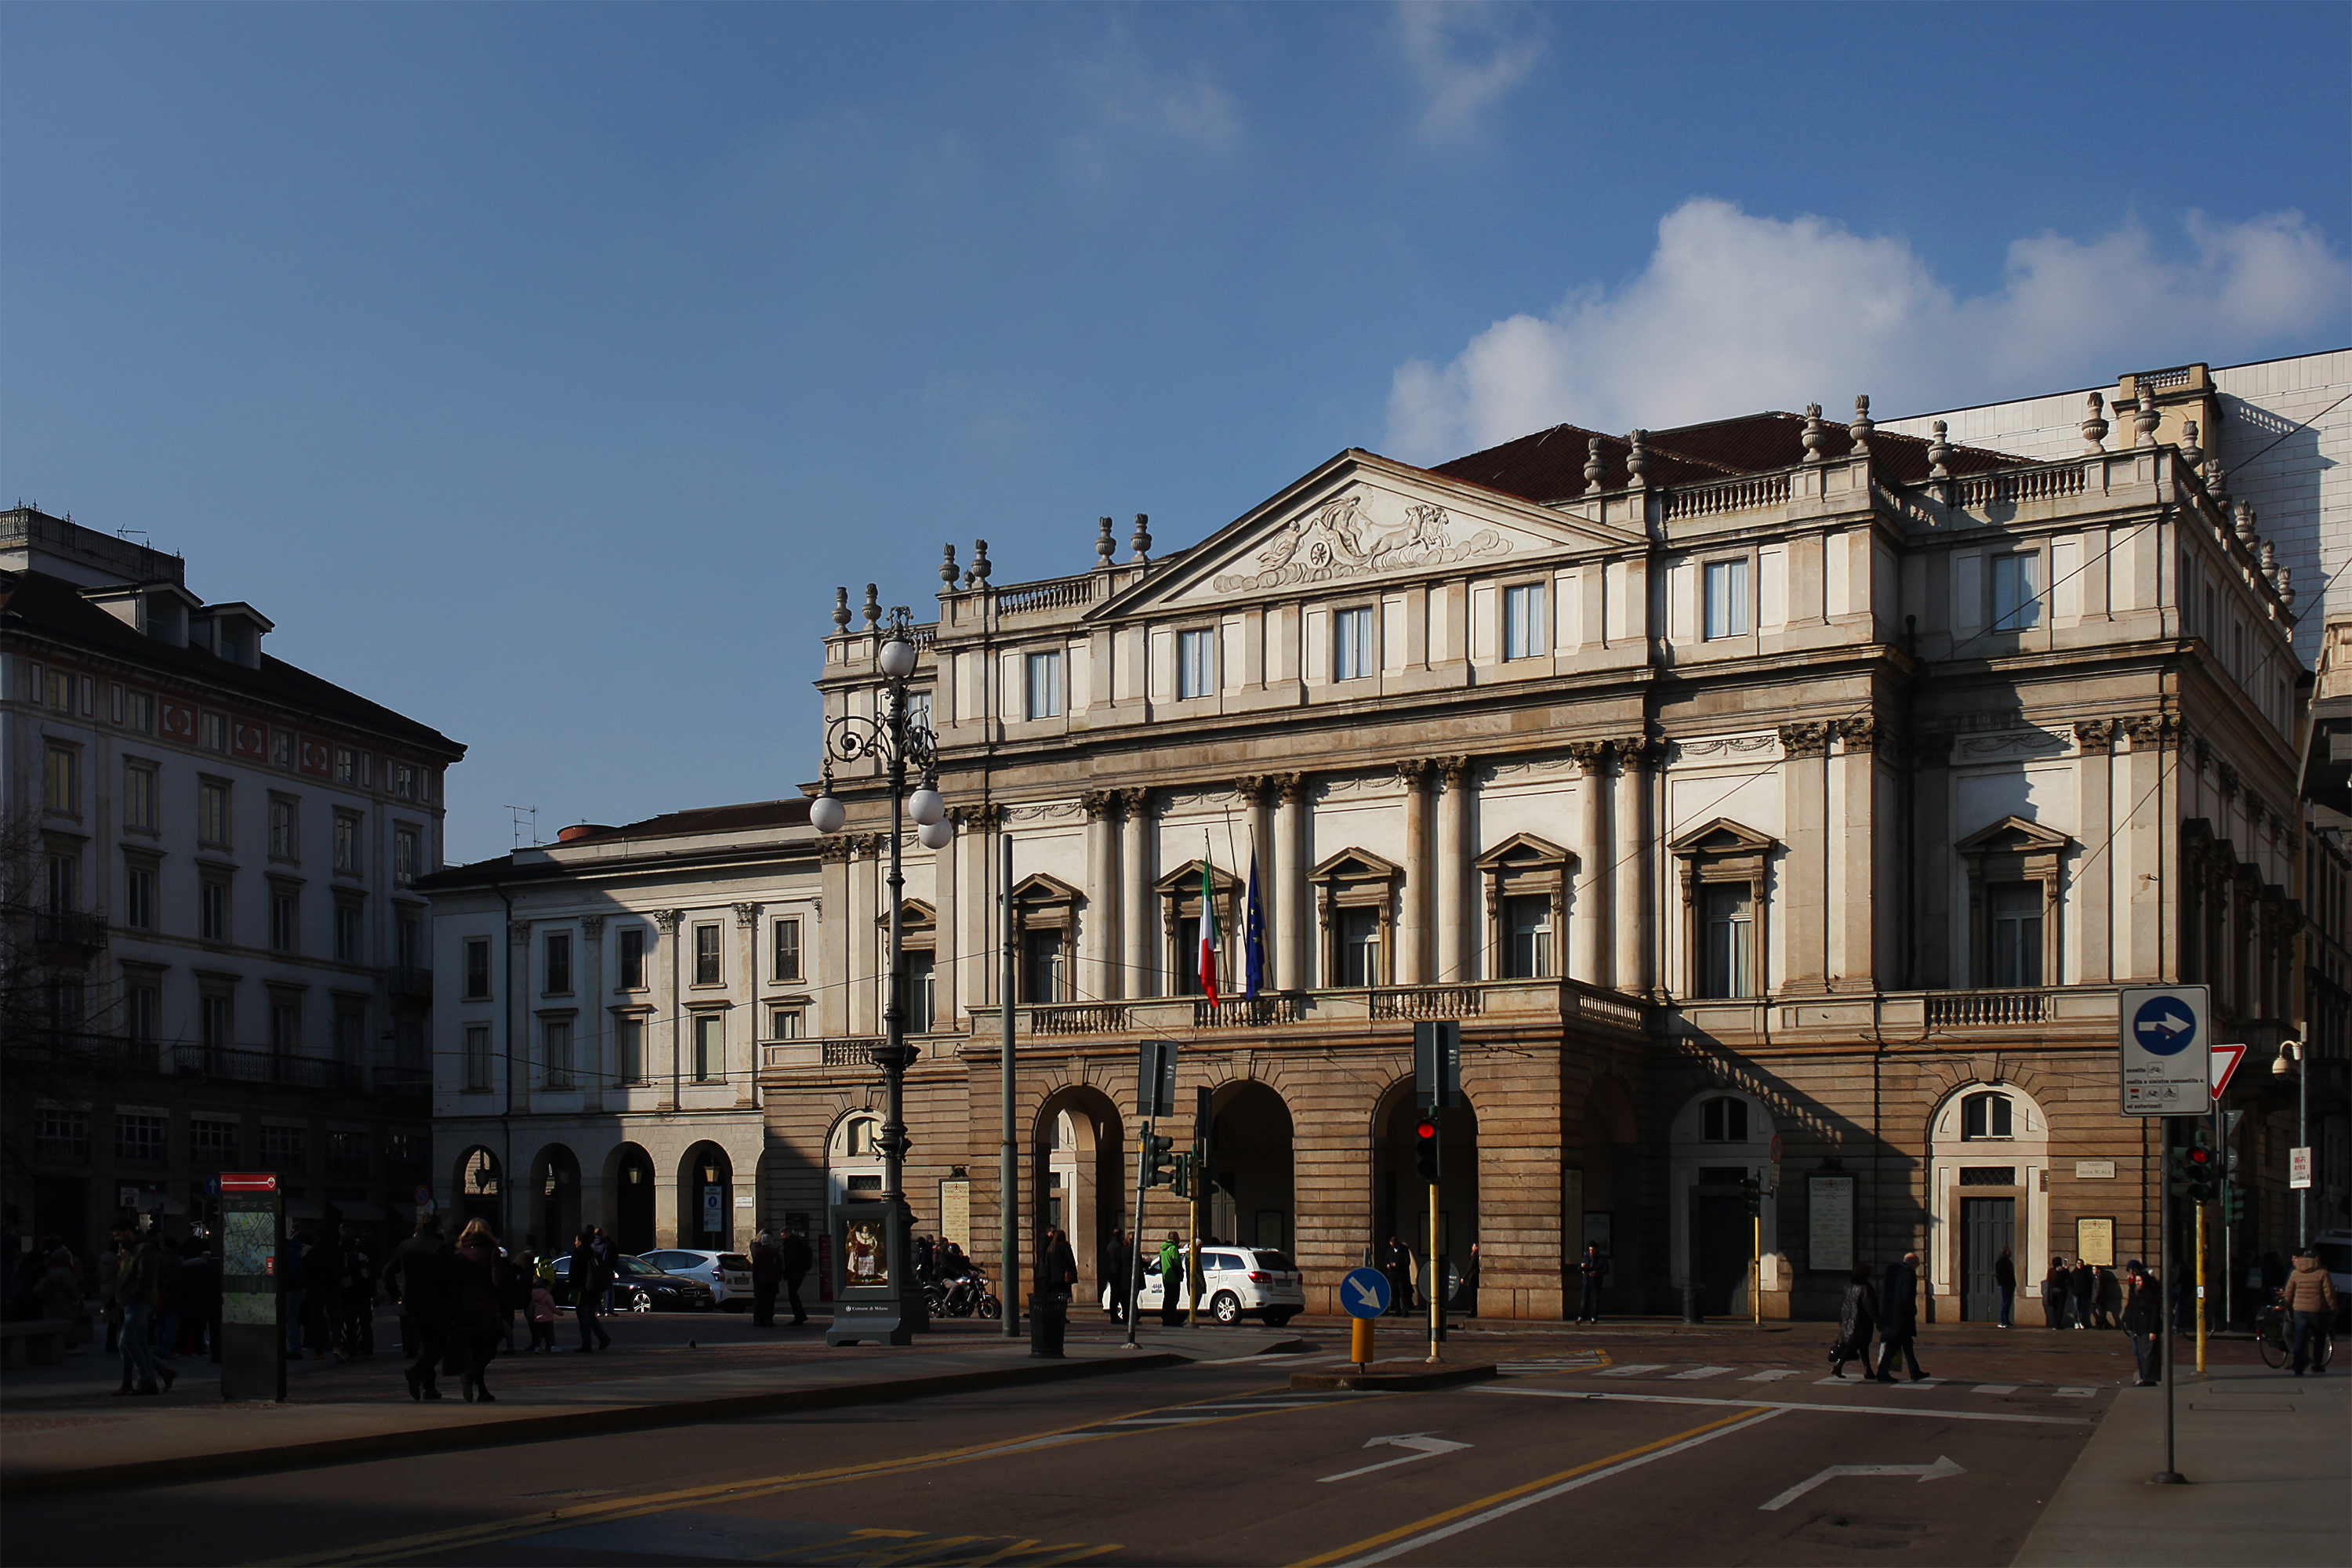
x=1857 y=1321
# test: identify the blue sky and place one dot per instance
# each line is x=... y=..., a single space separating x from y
x=542 y=369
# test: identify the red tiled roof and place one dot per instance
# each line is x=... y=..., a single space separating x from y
x=744 y=818
x=1548 y=466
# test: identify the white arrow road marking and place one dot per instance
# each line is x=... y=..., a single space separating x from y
x=1941 y=1469
x=1773 y=1375
x=1700 y=1371
x=1425 y=1447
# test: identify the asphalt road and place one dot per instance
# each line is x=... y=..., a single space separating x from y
x=1692 y=1461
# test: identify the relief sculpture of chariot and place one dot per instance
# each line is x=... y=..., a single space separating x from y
x=1340 y=538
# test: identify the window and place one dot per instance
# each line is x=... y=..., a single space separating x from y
x=281 y=749
x=212 y=812
x=784 y=1024
x=555 y=1039
x=2016 y=592
x=478 y=969
x=706 y=955
x=404 y=780
x=1728 y=938
x=212 y=909
x=140 y=895
x=65 y=883
x=1196 y=663
x=1525 y=631
x=348 y=932
x=915 y=975
x=1044 y=684
x=285 y=919
x=557 y=969
x=214 y=732
x=633 y=958
x=351 y=1036
x=408 y=943
x=2016 y=920
x=710 y=1047
x=284 y=842
x=1724 y=1121
x=405 y=843
x=1726 y=599
x=1526 y=933
x=62 y=1134
x=1041 y=965
x=139 y=1014
x=1360 y=947
x=347 y=1154
x=138 y=711
x=477 y=1057
x=285 y=1027
x=1186 y=969
x=212 y=1142
x=285 y=1148
x=1352 y=644
x=632 y=1033
x=60 y=692
x=64 y=780
x=139 y=797
x=215 y=1021
x=347 y=766
x=141 y=1140
x=1986 y=1116
x=918 y=710
x=787 y=960
x=347 y=842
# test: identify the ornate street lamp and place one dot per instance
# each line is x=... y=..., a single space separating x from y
x=891 y=1307
x=2289 y=1063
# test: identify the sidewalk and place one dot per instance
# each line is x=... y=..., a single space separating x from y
x=2268 y=1458
x=72 y=1441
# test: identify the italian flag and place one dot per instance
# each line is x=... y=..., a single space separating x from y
x=1208 y=936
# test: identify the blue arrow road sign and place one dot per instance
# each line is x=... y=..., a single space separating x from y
x=2164 y=1025
x=1364 y=1293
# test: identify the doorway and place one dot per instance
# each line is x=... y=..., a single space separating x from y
x=633 y=1201
x=1988 y=1228
x=1723 y=1244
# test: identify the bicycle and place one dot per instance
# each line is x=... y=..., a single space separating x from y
x=2275 y=1336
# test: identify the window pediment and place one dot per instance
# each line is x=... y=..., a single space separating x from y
x=1185 y=882
x=1524 y=852
x=2014 y=836
x=1723 y=836
x=1355 y=865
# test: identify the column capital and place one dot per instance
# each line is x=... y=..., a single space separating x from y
x=591 y=927
x=667 y=920
x=1136 y=802
x=747 y=915
x=2095 y=734
x=834 y=850
x=2152 y=730
x=1458 y=770
x=1589 y=755
x=517 y=931
x=1863 y=732
x=1416 y=772
x=1293 y=787
x=1807 y=740
x=1638 y=751
x=1099 y=803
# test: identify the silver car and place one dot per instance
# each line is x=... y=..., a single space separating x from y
x=729 y=1274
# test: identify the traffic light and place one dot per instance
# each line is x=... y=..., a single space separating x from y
x=2233 y=1202
x=1159 y=1161
x=1425 y=1148
x=1182 y=1180
x=2199 y=1173
x=1751 y=1194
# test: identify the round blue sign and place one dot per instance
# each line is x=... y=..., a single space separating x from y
x=2164 y=1025
x=1364 y=1293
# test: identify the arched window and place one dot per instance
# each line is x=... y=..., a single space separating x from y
x=1986 y=1116
x=1724 y=1121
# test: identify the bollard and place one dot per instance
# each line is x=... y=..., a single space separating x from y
x=1049 y=1320
x=1359 y=1342
x=1690 y=1304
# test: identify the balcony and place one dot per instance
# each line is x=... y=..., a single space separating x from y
x=269 y=1066
x=69 y=928
x=96 y=1053
x=2060 y=1014
x=409 y=982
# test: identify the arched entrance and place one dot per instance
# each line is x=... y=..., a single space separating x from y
x=555 y=1214
x=480 y=1187
x=1252 y=1202
x=1990 y=1145
x=1607 y=1215
x=1721 y=1138
x=706 y=1199
x=1078 y=1178
x=1399 y=1206
x=629 y=1178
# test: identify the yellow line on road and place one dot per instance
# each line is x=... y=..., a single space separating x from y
x=1373 y=1543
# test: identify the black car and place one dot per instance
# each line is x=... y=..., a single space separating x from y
x=642 y=1288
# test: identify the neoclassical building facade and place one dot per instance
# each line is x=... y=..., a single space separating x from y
x=1774 y=798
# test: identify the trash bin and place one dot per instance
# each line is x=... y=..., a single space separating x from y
x=1690 y=1304
x=1049 y=1320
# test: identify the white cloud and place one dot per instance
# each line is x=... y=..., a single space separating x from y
x=1128 y=98
x=1735 y=312
x=1462 y=57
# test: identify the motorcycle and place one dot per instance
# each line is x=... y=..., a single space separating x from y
x=965 y=1296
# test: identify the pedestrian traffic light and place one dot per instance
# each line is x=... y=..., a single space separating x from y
x=1182 y=1180
x=1751 y=1194
x=2233 y=1202
x=2197 y=1173
x=1159 y=1161
x=1425 y=1148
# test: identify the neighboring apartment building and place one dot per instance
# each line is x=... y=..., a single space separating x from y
x=604 y=1002
x=216 y=953
x=1772 y=798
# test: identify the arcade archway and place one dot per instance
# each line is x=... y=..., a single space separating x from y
x=1252 y=1199
x=1077 y=1176
x=629 y=1186
x=480 y=1188
x=706 y=1199
x=553 y=1216
x=1400 y=1205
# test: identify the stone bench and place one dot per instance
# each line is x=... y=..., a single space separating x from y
x=37 y=1343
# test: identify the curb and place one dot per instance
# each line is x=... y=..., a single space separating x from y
x=563 y=1423
x=1441 y=1376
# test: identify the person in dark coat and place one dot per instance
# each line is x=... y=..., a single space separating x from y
x=2004 y=1277
x=1396 y=1262
x=795 y=1257
x=2081 y=1284
x=1057 y=1265
x=1857 y=1321
x=418 y=1278
x=1898 y=1319
x=2057 y=1291
x=590 y=1280
x=2144 y=1321
x=767 y=1273
x=478 y=1311
x=1592 y=1273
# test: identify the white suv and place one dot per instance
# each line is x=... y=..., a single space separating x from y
x=729 y=1274
x=1237 y=1281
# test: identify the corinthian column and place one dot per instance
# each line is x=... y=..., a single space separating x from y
x=1458 y=945
x=1098 y=926
x=1413 y=919
x=1588 y=913
x=1632 y=970
x=1292 y=919
x=1804 y=783
x=1136 y=924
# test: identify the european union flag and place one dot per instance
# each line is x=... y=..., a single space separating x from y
x=1254 y=937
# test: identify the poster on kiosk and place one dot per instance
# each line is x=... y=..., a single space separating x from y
x=253 y=1326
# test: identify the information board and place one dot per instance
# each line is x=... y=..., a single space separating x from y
x=1828 y=1224
x=2095 y=1242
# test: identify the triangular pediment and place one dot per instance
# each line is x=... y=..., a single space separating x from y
x=1361 y=520
x=1356 y=865
x=1723 y=837
x=1186 y=878
x=1037 y=887
x=1524 y=849
x=2013 y=836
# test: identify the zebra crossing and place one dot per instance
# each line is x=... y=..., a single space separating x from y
x=1670 y=1371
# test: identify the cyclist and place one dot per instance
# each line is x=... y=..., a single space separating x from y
x=2309 y=1297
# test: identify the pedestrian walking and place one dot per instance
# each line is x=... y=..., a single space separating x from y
x=1171 y=1281
x=2056 y=1293
x=1592 y=1273
x=2083 y=1284
x=135 y=1285
x=542 y=1316
x=2144 y=1323
x=2004 y=1279
x=1057 y=1267
x=2309 y=1296
x=795 y=1256
x=355 y=1326
x=1396 y=1262
x=478 y=1309
x=1857 y=1321
x=418 y=1278
x=589 y=1281
x=1898 y=1319
x=767 y=1273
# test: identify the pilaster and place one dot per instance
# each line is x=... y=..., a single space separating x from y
x=2094 y=877
x=1136 y=923
x=1456 y=947
x=1632 y=970
x=1804 y=783
x=1588 y=907
x=1413 y=924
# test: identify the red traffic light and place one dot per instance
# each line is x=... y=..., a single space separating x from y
x=2200 y=1157
x=1425 y=1130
